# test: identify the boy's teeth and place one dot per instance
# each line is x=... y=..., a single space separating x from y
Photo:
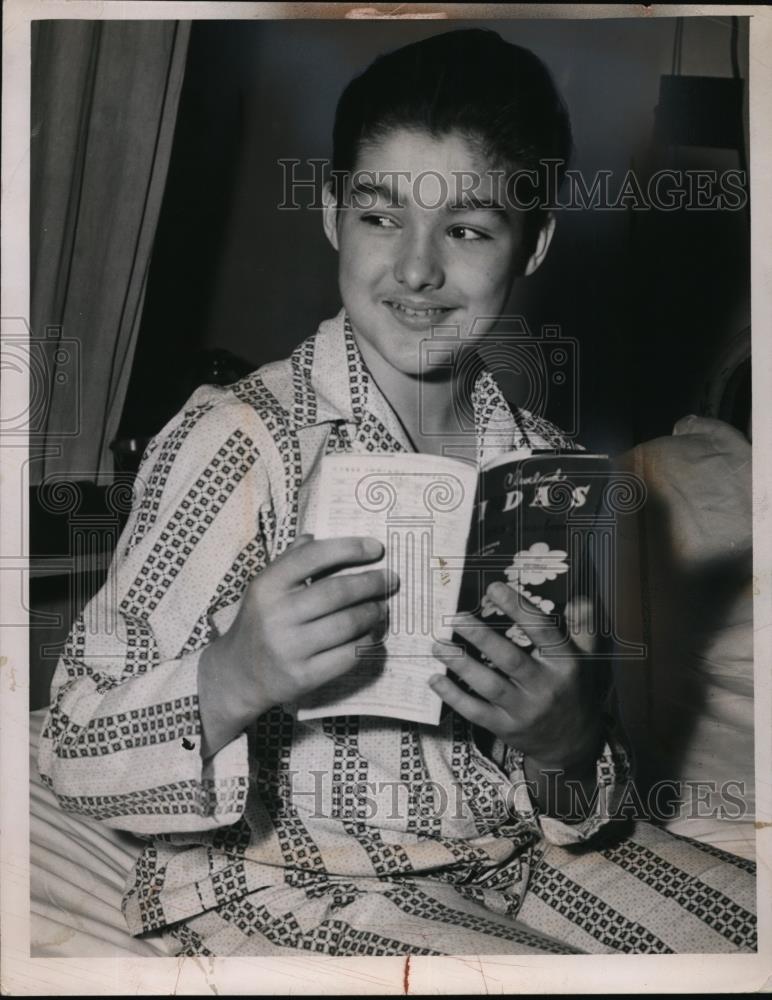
x=433 y=310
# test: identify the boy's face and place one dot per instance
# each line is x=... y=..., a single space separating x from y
x=425 y=239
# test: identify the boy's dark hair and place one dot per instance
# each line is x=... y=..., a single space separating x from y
x=498 y=95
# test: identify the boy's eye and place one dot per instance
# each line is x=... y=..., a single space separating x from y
x=379 y=221
x=467 y=233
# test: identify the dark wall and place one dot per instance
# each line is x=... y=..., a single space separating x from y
x=649 y=296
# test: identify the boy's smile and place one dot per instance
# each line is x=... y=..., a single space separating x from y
x=425 y=239
x=416 y=315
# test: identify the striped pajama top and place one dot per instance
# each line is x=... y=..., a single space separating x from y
x=222 y=490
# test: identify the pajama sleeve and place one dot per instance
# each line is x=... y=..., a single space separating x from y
x=121 y=741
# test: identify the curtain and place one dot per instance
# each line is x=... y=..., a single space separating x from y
x=104 y=104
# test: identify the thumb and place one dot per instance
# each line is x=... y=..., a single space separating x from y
x=580 y=618
x=299 y=540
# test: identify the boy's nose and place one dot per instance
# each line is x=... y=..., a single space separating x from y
x=418 y=264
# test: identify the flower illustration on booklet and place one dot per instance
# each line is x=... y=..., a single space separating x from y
x=531 y=567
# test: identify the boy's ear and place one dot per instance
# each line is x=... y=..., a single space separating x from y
x=330 y=214
x=542 y=245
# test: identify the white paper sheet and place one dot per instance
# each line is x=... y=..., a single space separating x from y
x=419 y=507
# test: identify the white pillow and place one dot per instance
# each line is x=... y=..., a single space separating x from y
x=686 y=590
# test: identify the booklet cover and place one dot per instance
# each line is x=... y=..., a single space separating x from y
x=533 y=528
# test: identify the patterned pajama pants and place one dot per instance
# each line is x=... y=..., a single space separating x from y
x=650 y=892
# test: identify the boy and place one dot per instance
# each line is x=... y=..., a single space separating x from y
x=178 y=722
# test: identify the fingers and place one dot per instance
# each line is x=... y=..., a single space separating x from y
x=299 y=540
x=335 y=662
x=501 y=651
x=541 y=629
x=580 y=616
x=515 y=604
x=317 y=556
x=353 y=623
x=337 y=592
x=480 y=712
x=488 y=683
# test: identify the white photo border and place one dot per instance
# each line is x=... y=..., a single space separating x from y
x=22 y=975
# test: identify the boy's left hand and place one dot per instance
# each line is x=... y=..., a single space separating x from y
x=544 y=705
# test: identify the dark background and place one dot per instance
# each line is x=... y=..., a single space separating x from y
x=651 y=297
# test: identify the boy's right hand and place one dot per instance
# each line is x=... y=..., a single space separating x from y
x=289 y=638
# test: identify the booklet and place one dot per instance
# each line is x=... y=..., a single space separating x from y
x=449 y=531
